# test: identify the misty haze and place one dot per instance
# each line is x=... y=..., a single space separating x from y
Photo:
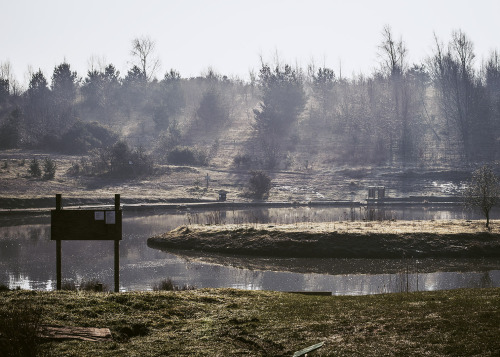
x=380 y=186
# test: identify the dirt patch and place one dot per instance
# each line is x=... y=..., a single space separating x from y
x=386 y=239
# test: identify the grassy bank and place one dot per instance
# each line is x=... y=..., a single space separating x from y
x=224 y=322
x=379 y=239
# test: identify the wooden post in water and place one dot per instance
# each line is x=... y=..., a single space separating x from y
x=58 y=248
x=117 y=248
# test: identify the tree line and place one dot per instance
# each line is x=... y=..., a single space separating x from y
x=444 y=110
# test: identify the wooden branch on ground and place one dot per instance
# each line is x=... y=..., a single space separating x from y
x=93 y=334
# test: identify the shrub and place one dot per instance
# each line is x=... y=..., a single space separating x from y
x=49 y=168
x=168 y=285
x=74 y=169
x=68 y=286
x=34 y=168
x=168 y=140
x=242 y=160
x=97 y=163
x=92 y=285
x=164 y=285
x=120 y=156
x=119 y=160
x=127 y=162
x=80 y=138
x=259 y=185
x=183 y=155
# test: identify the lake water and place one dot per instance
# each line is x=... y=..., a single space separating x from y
x=27 y=256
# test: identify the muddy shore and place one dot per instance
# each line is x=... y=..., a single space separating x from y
x=373 y=240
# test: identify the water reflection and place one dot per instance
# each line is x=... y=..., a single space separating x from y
x=27 y=256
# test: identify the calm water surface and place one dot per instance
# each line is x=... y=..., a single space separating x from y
x=27 y=256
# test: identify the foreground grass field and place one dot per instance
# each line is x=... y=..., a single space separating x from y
x=226 y=322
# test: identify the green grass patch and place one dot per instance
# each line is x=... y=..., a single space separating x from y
x=228 y=322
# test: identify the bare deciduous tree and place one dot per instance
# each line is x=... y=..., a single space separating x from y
x=392 y=52
x=483 y=191
x=7 y=75
x=461 y=96
x=394 y=63
x=143 y=50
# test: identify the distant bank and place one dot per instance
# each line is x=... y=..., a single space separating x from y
x=40 y=204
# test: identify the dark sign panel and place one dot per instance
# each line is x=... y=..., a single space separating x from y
x=86 y=225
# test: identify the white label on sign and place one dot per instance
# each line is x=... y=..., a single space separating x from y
x=99 y=215
x=110 y=217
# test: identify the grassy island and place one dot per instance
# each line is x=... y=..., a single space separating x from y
x=378 y=239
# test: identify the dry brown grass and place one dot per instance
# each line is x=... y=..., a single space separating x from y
x=365 y=227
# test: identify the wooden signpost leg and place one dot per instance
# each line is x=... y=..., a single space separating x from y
x=58 y=264
x=58 y=246
x=117 y=266
x=117 y=250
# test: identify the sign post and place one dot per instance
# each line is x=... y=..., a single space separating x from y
x=58 y=247
x=101 y=224
x=117 y=246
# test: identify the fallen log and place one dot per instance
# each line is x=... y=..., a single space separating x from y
x=93 y=334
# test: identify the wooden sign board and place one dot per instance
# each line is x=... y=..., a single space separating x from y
x=86 y=225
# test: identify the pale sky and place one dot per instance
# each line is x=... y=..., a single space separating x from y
x=231 y=35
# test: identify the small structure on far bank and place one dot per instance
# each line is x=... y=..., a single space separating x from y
x=222 y=195
x=376 y=194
